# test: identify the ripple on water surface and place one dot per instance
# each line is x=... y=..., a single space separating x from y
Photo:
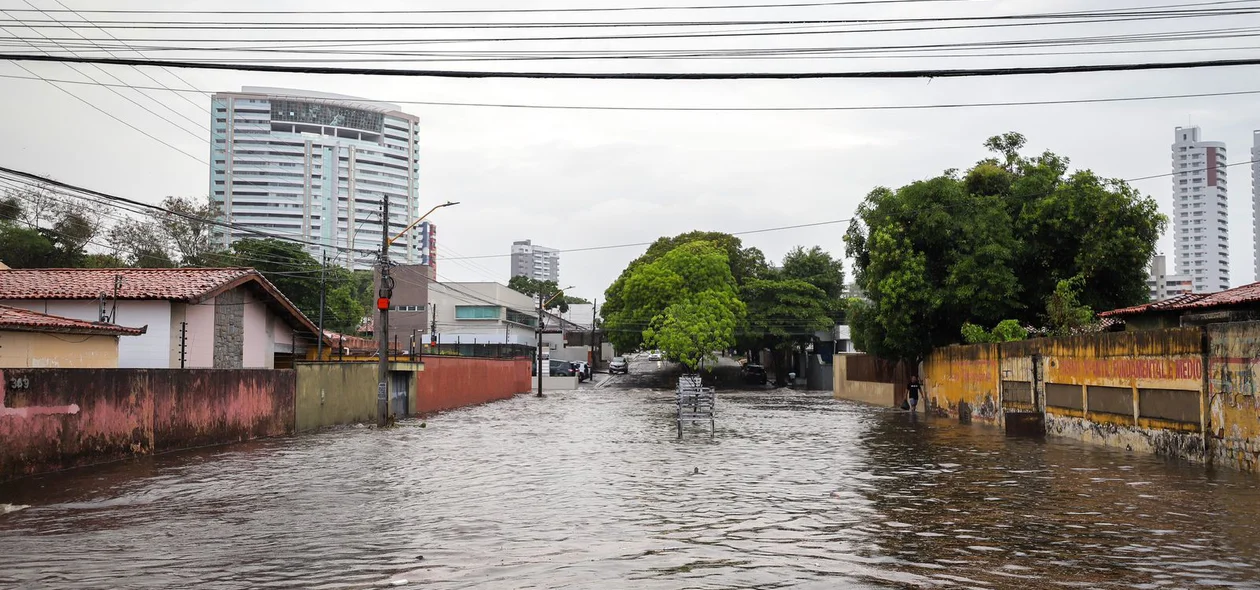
x=590 y=487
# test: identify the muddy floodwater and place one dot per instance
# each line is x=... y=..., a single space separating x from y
x=591 y=489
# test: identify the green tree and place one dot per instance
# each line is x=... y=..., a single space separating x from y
x=188 y=228
x=646 y=290
x=691 y=330
x=745 y=263
x=1005 y=331
x=22 y=247
x=817 y=267
x=1063 y=308
x=10 y=209
x=297 y=275
x=783 y=315
x=994 y=244
x=534 y=287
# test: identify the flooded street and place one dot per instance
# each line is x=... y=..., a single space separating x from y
x=591 y=489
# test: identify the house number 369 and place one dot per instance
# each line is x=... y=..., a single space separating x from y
x=20 y=383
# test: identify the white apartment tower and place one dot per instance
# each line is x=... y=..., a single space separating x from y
x=535 y=262
x=1200 y=211
x=317 y=167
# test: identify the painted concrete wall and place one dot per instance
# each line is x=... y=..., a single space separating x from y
x=1233 y=385
x=66 y=351
x=964 y=382
x=335 y=393
x=53 y=419
x=1140 y=391
x=454 y=382
x=870 y=392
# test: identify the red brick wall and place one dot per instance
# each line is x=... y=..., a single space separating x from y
x=52 y=419
x=454 y=382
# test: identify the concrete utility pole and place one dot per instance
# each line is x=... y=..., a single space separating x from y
x=541 y=305
x=381 y=328
x=382 y=303
x=538 y=354
x=319 y=347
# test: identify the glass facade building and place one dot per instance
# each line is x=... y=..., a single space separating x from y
x=318 y=167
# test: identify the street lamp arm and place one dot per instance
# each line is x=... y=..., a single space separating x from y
x=553 y=297
x=421 y=218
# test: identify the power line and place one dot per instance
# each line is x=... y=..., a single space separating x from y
x=1070 y=101
x=531 y=10
x=477 y=74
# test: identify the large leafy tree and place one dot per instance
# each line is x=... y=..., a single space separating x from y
x=783 y=314
x=994 y=244
x=297 y=274
x=534 y=287
x=662 y=294
x=818 y=268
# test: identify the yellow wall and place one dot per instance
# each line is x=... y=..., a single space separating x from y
x=66 y=351
x=1233 y=383
x=963 y=382
x=335 y=393
x=880 y=394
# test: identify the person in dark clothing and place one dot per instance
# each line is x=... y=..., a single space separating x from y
x=914 y=389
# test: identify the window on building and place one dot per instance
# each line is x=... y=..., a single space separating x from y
x=477 y=312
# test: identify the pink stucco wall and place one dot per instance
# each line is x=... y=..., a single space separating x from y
x=53 y=419
x=259 y=346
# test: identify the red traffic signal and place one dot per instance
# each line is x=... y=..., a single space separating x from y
x=382 y=303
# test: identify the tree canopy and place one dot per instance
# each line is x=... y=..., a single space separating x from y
x=993 y=244
x=297 y=274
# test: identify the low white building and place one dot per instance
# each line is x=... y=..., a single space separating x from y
x=1161 y=285
x=481 y=313
x=222 y=318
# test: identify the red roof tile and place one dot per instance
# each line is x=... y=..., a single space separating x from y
x=1236 y=296
x=191 y=285
x=25 y=320
x=180 y=284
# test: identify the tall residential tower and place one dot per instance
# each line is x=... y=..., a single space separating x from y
x=535 y=262
x=317 y=167
x=1200 y=210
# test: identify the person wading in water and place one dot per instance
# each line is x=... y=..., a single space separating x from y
x=914 y=389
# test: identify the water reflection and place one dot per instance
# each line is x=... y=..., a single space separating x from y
x=592 y=487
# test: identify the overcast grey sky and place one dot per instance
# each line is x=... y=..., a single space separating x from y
x=573 y=179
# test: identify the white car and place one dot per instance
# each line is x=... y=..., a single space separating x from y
x=655 y=355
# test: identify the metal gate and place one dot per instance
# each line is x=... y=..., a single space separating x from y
x=399 y=386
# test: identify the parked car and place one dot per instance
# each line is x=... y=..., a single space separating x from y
x=618 y=365
x=561 y=368
x=582 y=370
x=655 y=355
x=754 y=374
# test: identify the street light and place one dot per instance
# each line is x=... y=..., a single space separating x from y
x=382 y=304
x=538 y=355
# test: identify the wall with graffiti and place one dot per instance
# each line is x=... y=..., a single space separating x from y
x=1233 y=407
x=1141 y=391
x=964 y=382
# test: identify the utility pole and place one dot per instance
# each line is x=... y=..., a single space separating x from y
x=434 y=341
x=538 y=354
x=594 y=306
x=320 y=346
x=382 y=327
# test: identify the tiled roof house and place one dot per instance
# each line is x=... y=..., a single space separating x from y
x=194 y=317
x=1237 y=304
x=33 y=339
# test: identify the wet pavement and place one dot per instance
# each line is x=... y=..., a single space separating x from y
x=591 y=489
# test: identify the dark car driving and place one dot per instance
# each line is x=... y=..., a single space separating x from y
x=754 y=374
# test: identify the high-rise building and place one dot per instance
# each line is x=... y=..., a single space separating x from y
x=1162 y=285
x=1255 y=198
x=535 y=262
x=317 y=167
x=1200 y=210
